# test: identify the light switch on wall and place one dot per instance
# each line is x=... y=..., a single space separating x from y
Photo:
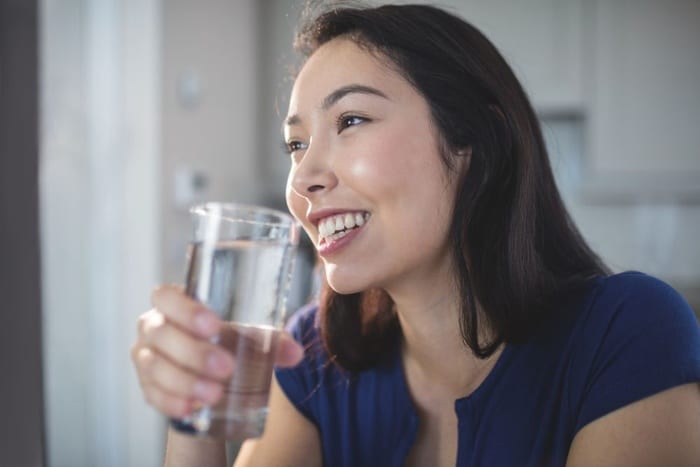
x=190 y=186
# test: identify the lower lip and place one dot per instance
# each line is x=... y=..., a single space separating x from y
x=328 y=248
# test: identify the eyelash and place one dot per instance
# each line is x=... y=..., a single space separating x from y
x=292 y=146
x=341 y=123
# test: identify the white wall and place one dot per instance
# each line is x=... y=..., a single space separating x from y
x=210 y=114
x=99 y=179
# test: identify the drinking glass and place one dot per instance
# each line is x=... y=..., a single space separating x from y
x=239 y=264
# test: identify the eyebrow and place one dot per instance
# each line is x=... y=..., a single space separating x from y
x=338 y=94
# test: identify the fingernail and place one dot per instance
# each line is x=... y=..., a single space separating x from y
x=219 y=363
x=204 y=391
x=205 y=323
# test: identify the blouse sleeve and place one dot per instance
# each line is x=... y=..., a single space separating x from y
x=641 y=337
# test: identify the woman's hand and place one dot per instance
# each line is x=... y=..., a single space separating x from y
x=177 y=365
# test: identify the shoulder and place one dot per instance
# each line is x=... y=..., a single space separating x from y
x=635 y=336
x=632 y=315
x=634 y=300
x=638 y=288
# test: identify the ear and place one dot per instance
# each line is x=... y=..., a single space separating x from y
x=463 y=158
x=465 y=152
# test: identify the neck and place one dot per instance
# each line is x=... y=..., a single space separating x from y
x=430 y=328
x=433 y=347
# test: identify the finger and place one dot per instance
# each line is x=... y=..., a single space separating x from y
x=289 y=351
x=156 y=396
x=147 y=321
x=186 y=312
x=199 y=356
x=171 y=405
x=177 y=381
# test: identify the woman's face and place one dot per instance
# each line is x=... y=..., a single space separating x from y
x=366 y=178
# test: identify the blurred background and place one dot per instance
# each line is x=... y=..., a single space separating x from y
x=146 y=107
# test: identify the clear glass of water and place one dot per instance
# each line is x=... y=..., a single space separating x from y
x=239 y=264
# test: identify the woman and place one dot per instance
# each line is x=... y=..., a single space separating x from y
x=463 y=318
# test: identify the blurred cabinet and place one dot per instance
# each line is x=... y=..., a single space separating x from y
x=543 y=42
x=642 y=91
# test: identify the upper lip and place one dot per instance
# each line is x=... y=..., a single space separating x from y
x=315 y=216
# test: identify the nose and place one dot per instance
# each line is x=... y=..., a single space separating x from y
x=313 y=174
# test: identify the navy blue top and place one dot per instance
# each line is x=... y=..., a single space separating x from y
x=629 y=336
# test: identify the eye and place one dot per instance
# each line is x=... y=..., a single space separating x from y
x=346 y=121
x=293 y=146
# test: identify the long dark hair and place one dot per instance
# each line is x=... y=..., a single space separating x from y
x=515 y=248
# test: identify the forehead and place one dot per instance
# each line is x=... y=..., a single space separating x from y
x=338 y=63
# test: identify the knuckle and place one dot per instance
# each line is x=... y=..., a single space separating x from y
x=146 y=320
x=155 y=328
x=145 y=361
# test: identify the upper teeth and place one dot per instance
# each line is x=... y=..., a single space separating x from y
x=333 y=226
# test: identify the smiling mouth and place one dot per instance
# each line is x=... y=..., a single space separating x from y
x=336 y=227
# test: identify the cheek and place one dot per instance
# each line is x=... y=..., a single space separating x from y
x=376 y=166
x=362 y=166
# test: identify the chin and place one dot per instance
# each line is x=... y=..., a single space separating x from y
x=344 y=288
x=345 y=283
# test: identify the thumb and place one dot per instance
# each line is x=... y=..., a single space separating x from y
x=289 y=352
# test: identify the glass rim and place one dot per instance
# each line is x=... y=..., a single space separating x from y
x=227 y=211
